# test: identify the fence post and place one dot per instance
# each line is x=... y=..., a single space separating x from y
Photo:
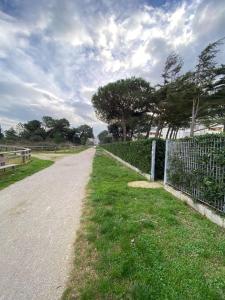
x=166 y=162
x=153 y=160
x=23 y=156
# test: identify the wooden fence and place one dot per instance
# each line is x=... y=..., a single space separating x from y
x=14 y=155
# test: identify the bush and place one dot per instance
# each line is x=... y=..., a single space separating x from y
x=196 y=166
x=138 y=154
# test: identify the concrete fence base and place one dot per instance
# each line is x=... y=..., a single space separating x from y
x=201 y=208
x=147 y=176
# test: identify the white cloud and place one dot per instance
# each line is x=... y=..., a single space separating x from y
x=54 y=54
x=12 y=33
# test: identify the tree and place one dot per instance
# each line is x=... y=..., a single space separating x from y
x=60 y=130
x=104 y=137
x=85 y=132
x=215 y=116
x=56 y=128
x=172 y=68
x=73 y=136
x=48 y=122
x=214 y=113
x=116 y=131
x=32 y=126
x=32 y=130
x=177 y=110
x=19 y=129
x=120 y=101
x=203 y=77
x=170 y=74
x=11 y=135
x=1 y=133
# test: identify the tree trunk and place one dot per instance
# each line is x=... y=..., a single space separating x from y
x=123 y=124
x=158 y=129
x=176 y=133
x=194 y=114
x=171 y=133
x=192 y=119
x=131 y=134
x=168 y=131
x=149 y=127
x=148 y=132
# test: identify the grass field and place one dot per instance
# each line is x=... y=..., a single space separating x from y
x=11 y=176
x=143 y=244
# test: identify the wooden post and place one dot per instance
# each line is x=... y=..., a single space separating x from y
x=23 y=156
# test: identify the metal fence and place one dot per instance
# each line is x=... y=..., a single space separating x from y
x=197 y=168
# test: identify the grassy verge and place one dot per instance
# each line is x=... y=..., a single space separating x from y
x=143 y=244
x=11 y=176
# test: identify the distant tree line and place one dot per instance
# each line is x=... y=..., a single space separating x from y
x=48 y=130
x=132 y=107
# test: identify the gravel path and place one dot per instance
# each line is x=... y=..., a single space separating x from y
x=39 y=217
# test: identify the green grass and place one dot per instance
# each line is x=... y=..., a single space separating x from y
x=143 y=244
x=11 y=176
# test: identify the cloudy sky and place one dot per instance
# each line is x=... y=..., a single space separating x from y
x=54 y=54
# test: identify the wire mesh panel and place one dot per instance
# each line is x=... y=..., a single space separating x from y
x=197 y=168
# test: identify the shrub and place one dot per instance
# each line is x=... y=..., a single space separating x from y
x=138 y=154
x=196 y=166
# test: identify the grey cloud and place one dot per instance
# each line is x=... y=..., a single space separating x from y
x=85 y=110
x=55 y=51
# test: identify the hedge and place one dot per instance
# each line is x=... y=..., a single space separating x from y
x=138 y=154
x=196 y=166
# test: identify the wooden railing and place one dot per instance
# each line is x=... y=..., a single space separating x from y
x=51 y=147
x=14 y=155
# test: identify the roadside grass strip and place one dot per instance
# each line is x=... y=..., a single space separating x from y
x=142 y=244
x=21 y=171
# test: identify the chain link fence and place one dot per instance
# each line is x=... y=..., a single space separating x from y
x=197 y=167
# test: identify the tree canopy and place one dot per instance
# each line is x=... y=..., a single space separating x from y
x=132 y=107
x=120 y=101
x=50 y=130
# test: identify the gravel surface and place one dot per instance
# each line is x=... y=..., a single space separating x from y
x=39 y=217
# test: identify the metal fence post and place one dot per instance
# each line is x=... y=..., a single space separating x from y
x=166 y=162
x=153 y=156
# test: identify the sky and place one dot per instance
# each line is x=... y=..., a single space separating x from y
x=55 y=54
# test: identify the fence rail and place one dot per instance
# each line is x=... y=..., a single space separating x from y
x=51 y=147
x=13 y=154
x=197 y=168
